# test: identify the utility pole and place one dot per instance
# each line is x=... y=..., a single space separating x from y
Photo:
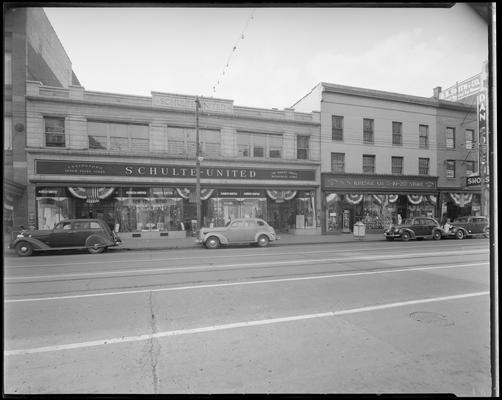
x=197 y=163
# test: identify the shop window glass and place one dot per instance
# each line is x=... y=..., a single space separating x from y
x=211 y=142
x=397 y=133
x=470 y=168
x=54 y=132
x=119 y=137
x=423 y=166
x=450 y=138
x=302 y=147
x=119 y=144
x=53 y=208
x=423 y=132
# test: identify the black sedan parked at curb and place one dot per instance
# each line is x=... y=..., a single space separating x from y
x=70 y=234
x=416 y=228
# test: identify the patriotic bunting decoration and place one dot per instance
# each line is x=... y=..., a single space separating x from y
x=281 y=195
x=204 y=193
x=353 y=198
x=332 y=197
x=380 y=198
x=461 y=199
x=415 y=198
x=393 y=198
x=91 y=194
x=433 y=199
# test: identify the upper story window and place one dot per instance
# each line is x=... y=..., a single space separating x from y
x=7 y=133
x=8 y=68
x=397 y=133
x=368 y=164
x=423 y=166
x=54 y=132
x=259 y=145
x=469 y=139
x=368 y=130
x=182 y=141
x=336 y=127
x=450 y=168
x=470 y=167
x=338 y=162
x=302 y=147
x=397 y=165
x=450 y=138
x=121 y=137
x=423 y=136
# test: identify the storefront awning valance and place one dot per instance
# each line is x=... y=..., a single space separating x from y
x=91 y=194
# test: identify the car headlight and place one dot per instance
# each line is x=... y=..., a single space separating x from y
x=20 y=235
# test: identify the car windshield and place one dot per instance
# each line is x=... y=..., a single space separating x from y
x=407 y=221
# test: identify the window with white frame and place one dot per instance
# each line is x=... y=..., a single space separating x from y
x=7 y=133
x=259 y=145
x=336 y=127
x=182 y=141
x=118 y=137
x=302 y=147
x=368 y=164
x=338 y=162
x=397 y=133
x=470 y=168
x=423 y=132
x=469 y=139
x=397 y=165
x=423 y=166
x=450 y=168
x=450 y=138
x=54 y=132
x=368 y=131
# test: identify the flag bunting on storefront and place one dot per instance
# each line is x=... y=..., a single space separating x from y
x=204 y=193
x=393 y=198
x=332 y=197
x=380 y=198
x=433 y=199
x=461 y=199
x=91 y=194
x=415 y=198
x=281 y=195
x=353 y=198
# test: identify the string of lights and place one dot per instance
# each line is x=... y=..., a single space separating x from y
x=232 y=52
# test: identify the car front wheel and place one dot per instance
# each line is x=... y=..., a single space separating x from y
x=212 y=242
x=24 y=249
x=460 y=234
x=263 y=241
x=436 y=235
x=405 y=236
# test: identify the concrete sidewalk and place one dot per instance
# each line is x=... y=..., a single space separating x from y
x=285 y=240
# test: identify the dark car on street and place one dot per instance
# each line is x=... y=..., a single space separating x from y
x=415 y=228
x=238 y=231
x=76 y=234
x=468 y=226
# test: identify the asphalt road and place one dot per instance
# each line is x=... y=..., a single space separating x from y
x=385 y=317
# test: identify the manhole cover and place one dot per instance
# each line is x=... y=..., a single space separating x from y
x=427 y=317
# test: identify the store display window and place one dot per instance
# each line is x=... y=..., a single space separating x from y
x=52 y=206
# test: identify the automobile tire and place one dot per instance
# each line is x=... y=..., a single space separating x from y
x=24 y=249
x=212 y=242
x=436 y=235
x=405 y=236
x=460 y=234
x=95 y=244
x=263 y=241
x=486 y=232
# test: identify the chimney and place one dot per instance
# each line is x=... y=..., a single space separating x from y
x=437 y=90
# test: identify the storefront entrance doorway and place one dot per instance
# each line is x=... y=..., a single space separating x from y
x=279 y=215
x=103 y=210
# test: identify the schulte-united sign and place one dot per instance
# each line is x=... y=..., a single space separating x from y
x=50 y=167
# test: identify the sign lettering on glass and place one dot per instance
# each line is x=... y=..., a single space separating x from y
x=53 y=167
x=350 y=182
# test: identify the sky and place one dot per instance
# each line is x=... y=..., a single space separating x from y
x=280 y=53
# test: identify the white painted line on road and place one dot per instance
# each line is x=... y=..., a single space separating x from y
x=266 y=253
x=255 y=264
x=235 y=325
x=255 y=282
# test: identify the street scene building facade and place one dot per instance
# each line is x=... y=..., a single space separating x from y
x=130 y=160
x=384 y=156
